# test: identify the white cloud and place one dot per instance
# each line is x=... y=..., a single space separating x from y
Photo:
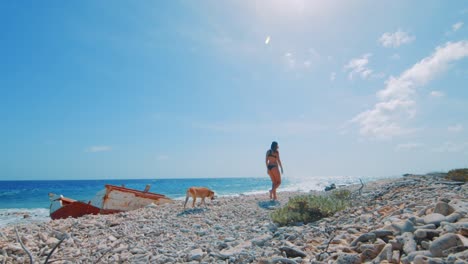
x=436 y=94
x=359 y=67
x=396 y=39
x=408 y=146
x=332 y=76
x=290 y=60
x=301 y=60
x=452 y=147
x=94 y=149
x=457 y=26
x=455 y=128
x=396 y=101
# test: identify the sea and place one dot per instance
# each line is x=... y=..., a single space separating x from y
x=28 y=201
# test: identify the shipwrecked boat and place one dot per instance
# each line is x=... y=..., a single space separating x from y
x=112 y=199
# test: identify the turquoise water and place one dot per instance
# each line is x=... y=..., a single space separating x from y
x=19 y=198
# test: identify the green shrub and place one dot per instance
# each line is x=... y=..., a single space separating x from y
x=458 y=175
x=310 y=208
x=341 y=194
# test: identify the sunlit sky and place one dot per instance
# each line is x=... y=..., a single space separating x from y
x=177 y=89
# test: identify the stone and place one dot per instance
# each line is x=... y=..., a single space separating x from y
x=384 y=255
x=425 y=244
x=452 y=218
x=395 y=256
x=443 y=208
x=420 y=259
x=370 y=251
x=409 y=244
x=283 y=260
x=261 y=240
x=196 y=254
x=463 y=231
x=410 y=257
x=382 y=233
x=345 y=258
x=444 y=242
x=403 y=226
x=363 y=238
x=292 y=252
x=434 y=218
x=430 y=226
x=426 y=233
x=52 y=241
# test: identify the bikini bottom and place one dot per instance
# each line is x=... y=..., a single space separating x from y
x=271 y=166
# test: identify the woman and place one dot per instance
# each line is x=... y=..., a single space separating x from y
x=272 y=161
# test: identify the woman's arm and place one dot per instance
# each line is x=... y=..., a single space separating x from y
x=279 y=162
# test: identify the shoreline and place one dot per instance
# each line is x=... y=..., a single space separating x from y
x=238 y=230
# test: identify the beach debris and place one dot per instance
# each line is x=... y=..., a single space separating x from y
x=331 y=187
x=54 y=248
x=23 y=246
x=113 y=199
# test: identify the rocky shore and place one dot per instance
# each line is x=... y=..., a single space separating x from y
x=413 y=219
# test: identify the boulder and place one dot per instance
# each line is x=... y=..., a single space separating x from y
x=434 y=218
x=409 y=244
x=443 y=208
x=292 y=252
x=403 y=226
x=363 y=238
x=443 y=243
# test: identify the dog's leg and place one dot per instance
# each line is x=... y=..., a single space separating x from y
x=194 y=199
x=203 y=201
x=186 y=200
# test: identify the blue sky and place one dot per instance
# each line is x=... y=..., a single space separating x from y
x=175 y=89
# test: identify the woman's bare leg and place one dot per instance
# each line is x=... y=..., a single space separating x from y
x=272 y=184
x=276 y=178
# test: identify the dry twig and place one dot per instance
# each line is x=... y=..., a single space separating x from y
x=24 y=247
x=362 y=186
x=55 y=247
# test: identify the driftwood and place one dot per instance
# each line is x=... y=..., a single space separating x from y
x=55 y=247
x=362 y=186
x=328 y=244
x=31 y=260
x=24 y=247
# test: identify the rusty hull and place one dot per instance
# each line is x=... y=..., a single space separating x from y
x=115 y=199
x=118 y=199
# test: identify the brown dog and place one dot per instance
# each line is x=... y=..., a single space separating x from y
x=200 y=192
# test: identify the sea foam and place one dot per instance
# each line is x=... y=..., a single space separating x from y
x=15 y=216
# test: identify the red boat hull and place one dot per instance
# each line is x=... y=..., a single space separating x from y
x=74 y=209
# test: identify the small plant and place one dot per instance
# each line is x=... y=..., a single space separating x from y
x=341 y=194
x=310 y=208
x=458 y=175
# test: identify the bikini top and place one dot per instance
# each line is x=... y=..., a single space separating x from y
x=270 y=154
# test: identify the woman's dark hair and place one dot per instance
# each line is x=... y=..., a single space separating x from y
x=274 y=145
